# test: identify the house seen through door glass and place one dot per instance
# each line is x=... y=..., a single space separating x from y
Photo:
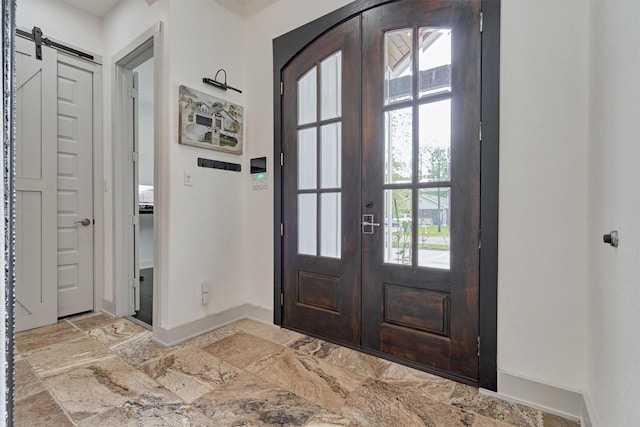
x=417 y=173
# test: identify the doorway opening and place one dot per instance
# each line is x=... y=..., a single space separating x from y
x=378 y=200
x=143 y=140
x=135 y=241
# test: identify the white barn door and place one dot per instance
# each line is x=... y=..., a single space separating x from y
x=75 y=184
x=36 y=169
x=54 y=186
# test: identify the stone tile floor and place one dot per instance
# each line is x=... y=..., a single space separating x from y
x=95 y=370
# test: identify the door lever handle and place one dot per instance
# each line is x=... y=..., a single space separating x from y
x=368 y=224
x=84 y=221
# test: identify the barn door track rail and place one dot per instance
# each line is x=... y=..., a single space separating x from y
x=36 y=36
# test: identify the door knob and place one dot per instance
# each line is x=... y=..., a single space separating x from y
x=84 y=221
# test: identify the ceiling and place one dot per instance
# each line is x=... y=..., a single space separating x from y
x=245 y=8
x=100 y=8
x=97 y=8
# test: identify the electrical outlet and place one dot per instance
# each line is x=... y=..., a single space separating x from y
x=205 y=292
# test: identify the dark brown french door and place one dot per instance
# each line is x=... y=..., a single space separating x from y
x=321 y=186
x=381 y=185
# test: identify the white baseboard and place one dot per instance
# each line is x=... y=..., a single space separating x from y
x=259 y=313
x=571 y=404
x=173 y=336
x=107 y=307
x=589 y=418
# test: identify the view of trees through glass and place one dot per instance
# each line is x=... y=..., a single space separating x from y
x=418 y=164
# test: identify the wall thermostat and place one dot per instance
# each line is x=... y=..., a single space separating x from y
x=259 y=165
x=258 y=169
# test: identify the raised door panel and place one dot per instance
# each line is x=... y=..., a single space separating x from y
x=75 y=189
x=36 y=241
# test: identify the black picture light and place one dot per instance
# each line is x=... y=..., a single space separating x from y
x=220 y=85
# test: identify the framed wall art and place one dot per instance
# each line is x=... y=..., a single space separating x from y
x=209 y=122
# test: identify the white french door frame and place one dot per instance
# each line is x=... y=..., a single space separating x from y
x=150 y=44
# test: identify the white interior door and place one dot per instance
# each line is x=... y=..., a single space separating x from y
x=75 y=194
x=36 y=239
x=136 y=194
x=130 y=193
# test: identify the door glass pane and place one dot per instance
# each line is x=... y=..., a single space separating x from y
x=398 y=53
x=331 y=87
x=331 y=155
x=435 y=141
x=398 y=146
x=397 y=226
x=435 y=60
x=307 y=224
x=307 y=159
x=308 y=97
x=330 y=227
x=434 y=234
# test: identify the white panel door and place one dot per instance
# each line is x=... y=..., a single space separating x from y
x=36 y=241
x=136 y=194
x=75 y=195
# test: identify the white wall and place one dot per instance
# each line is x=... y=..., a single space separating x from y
x=542 y=280
x=61 y=22
x=564 y=182
x=204 y=238
x=207 y=220
x=543 y=196
x=122 y=25
x=614 y=203
x=274 y=21
x=128 y=20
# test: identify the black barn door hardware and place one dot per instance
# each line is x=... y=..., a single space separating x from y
x=36 y=36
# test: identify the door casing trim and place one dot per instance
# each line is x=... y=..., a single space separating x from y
x=287 y=46
x=152 y=38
